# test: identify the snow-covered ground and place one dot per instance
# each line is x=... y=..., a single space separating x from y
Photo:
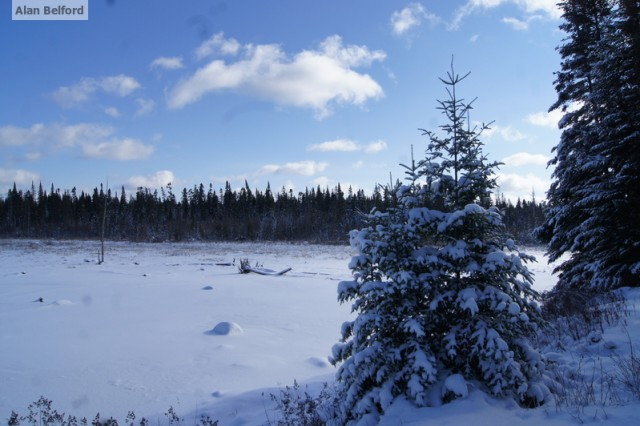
x=138 y=332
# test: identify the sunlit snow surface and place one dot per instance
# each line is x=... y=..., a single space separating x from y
x=137 y=332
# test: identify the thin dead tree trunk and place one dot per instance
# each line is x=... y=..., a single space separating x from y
x=104 y=221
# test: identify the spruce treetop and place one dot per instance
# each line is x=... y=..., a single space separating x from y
x=455 y=170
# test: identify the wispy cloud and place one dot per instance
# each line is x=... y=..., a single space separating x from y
x=411 y=16
x=521 y=24
x=32 y=156
x=304 y=168
x=168 y=63
x=112 y=112
x=347 y=145
x=145 y=106
x=158 y=179
x=526 y=158
x=516 y=24
x=80 y=92
x=532 y=8
x=314 y=79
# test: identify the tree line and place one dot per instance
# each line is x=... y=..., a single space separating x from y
x=323 y=215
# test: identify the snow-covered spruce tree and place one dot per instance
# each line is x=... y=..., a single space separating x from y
x=595 y=195
x=442 y=296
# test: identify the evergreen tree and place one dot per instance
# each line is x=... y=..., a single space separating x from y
x=595 y=195
x=441 y=294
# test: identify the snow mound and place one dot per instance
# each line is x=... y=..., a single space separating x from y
x=62 y=302
x=456 y=385
x=226 y=329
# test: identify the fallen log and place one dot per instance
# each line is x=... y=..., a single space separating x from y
x=264 y=271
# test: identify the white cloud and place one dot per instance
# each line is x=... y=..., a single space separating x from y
x=54 y=134
x=514 y=185
x=546 y=119
x=519 y=24
x=347 y=145
x=305 y=168
x=96 y=141
x=322 y=181
x=508 y=133
x=32 y=156
x=218 y=44
x=548 y=8
x=70 y=96
x=340 y=145
x=157 y=180
x=348 y=56
x=145 y=106
x=120 y=85
x=16 y=136
x=118 y=149
x=310 y=79
x=375 y=146
x=409 y=17
x=72 y=135
x=168 y=63
x=18 y=176
x=79 y=93
x=516 y=24
x=526 y=158
x=112 y=112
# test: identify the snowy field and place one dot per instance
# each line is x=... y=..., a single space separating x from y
x=138 y=332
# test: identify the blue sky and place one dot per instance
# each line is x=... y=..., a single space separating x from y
x=296 y=93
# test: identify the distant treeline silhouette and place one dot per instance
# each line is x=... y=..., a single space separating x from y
x=315 y=215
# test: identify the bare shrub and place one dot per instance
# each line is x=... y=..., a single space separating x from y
x=629 y=370
x=578 y=320
x=297 y=407
x=590 y=383
x=42 y=413
x=578 y=314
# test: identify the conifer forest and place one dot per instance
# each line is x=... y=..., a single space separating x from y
x=214 y=214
